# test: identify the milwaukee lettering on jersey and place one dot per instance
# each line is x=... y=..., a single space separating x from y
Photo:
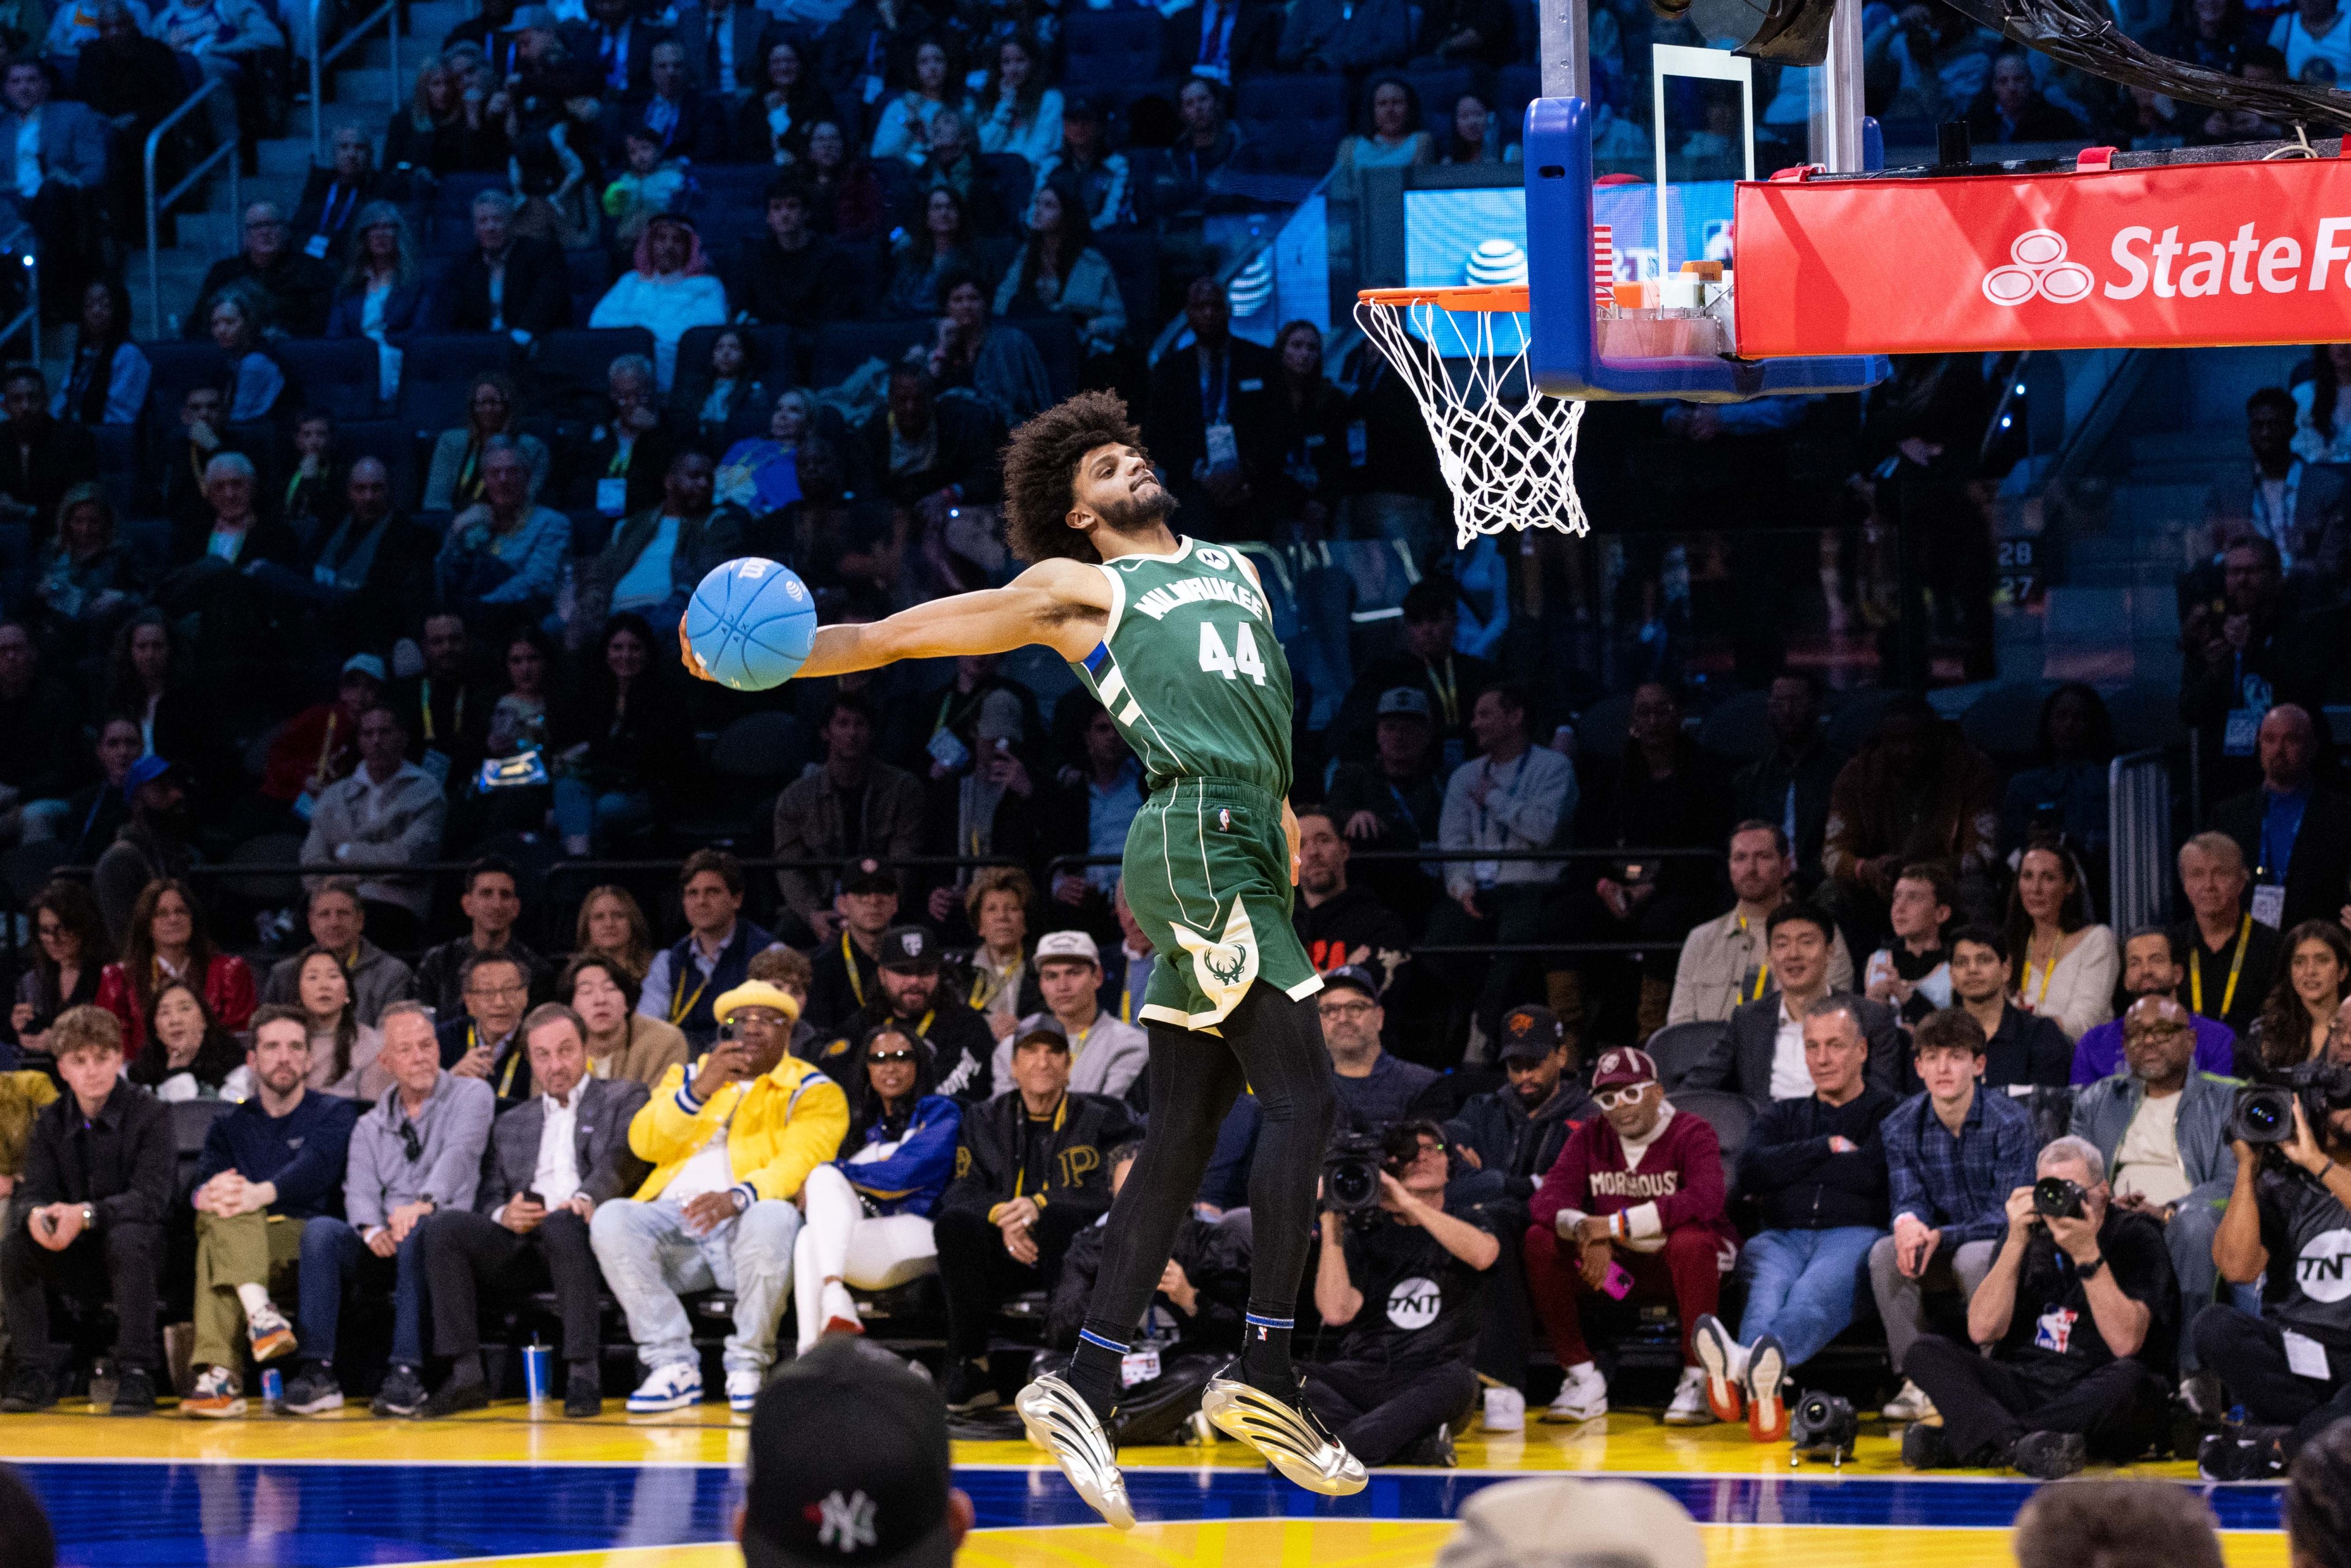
x=1641 y=1187
x=1195 y=590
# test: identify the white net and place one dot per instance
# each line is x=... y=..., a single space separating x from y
x=1508 y=453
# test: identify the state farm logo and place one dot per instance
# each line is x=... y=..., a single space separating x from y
x=2038 y=268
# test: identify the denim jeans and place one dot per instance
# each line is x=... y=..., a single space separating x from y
x=648 y=1259
x=582 y=811
x=1800 y=1286
x=332 y=1253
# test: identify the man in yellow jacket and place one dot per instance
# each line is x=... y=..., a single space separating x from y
x=730 y=1139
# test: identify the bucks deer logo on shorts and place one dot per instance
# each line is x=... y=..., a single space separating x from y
x=1223 y=969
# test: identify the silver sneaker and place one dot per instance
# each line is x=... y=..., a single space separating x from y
x=1289 y=1436
x=1062 y=1423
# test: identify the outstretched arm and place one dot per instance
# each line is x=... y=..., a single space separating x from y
x=1063 y=605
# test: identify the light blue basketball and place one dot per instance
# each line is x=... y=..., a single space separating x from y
x=751 y=622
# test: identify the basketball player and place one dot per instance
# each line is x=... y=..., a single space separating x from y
x=1174 y=638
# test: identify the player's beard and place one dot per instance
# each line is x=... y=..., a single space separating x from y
x=1131 y=516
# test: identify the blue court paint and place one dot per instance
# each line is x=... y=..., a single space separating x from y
x=139 y=1515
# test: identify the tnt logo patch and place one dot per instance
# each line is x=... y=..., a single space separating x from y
x=2323 y=1269
x=1415 y=1303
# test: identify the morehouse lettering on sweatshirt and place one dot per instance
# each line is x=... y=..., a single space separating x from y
x=1670 y=1179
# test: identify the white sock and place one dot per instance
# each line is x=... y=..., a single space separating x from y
x=255 y=1299
x=839 y=1303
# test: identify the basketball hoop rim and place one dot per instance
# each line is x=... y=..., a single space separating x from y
x=1518 y=299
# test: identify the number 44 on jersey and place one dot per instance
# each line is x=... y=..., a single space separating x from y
x=1242 y=661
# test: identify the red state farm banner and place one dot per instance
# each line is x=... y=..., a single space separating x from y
x=2179 y=256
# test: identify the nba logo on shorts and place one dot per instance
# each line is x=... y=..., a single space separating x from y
x=1225 y=817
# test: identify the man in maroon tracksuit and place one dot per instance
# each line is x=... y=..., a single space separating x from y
x=1634 y=1207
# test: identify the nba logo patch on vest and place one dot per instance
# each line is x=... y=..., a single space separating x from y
x=1224 y=969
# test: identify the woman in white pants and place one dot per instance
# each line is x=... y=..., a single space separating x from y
x=868 y=1213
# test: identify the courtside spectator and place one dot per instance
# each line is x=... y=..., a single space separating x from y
x=731 y=1140
x=503 y=283
x=1789 y=785
x=2109 y=1523
x=97 y=811
x=1375 y=1088
x=668 y=292
x=491 y=904
x=68 y=951
x=1396 y=800
x=417 y=1151
x=612 y=925
x=855 y=805
x=1409 y=1290
x=1340 y=923
x=502 y=561
x=999 y=978
x=2079 y=1347
x=2150 y=968
x=2050 y=929
x=485 y=1040
x=2161 y=1125
x=152 y=847
x=2304 y=1001
x=621 y=1042
x=1633 y=1205
x=1917 y=792
x=552 y=1159
x=296 y=285
x=712 y=958
x=1723 y=963
x=87 y=1214
x=1516 y=1132
x=338 y=923
x=1030 y=1173
x=1761 y=1053
x=1953 y=1154
x=658 y=556
x=268 y=1168
x=846 y=975
x=908 y=990
x=1106 y=1056
x=1450 y=682
x=320 y=745
x=388 y=813
x=1912 y=973
x=2232 y=956
x=168 y=941
x=445 y=716
x=2021 y=1049
x=2316 y=1529
x=188 y=1055
x=1815 y=1168
x=869 y=1212
x=2294 y=830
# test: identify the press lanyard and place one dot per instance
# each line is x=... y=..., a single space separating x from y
x=985 y=987
x=856 y=981
x=2047 y=975
x=1448 y=699
x=327 y=216
x=2236 y=967
x=327 y=746
x=678 y=1010
x=1224 y=388
x=424 y=708
x=1060 y=1113
x=473 y=1039
x=1763 y=975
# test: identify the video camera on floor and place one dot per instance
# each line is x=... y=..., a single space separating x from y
x=2263 y=1114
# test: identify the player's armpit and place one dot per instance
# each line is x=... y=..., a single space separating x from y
x=1063 y=605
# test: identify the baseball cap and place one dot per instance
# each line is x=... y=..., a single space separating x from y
x=1070 y=945
x=1530 y=1033
x=910 y=947
x=755 y=994
x=1623 y=1065
x=868 y=875
x=145 y=771
x=1405 y=700
x=366 y=665
x=848 y=1465
x=1041 y=1026
x=1353 y=975
x=1519 y=1523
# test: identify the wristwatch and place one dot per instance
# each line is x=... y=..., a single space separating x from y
x=2089 y=1270
x=90 y=1217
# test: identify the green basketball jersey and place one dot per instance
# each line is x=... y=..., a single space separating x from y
x=1191 y=672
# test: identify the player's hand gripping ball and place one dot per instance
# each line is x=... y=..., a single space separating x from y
x=749 y=625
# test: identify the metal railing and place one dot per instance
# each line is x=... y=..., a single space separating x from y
x=155 y=208
x=2138 y=839
x=387 y=14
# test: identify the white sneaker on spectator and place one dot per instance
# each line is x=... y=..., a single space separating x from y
x=1583 y=1396
x=743 y=1389
x=1688 y=1406
x=1910 y=1404
x=670 y=1387
x=1723 y=1360
x=1506 y=1410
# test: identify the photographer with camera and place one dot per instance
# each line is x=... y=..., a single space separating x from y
x=2162 y=1128
x=1633 y=1210
x=2080 y=1310
x=2290 y=1366
x=1404 y=1369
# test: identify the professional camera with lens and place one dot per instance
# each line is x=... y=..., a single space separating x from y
x=2263 y=1114
x=1350 y=1172
x=1822 y=1426
x=2055 y=1197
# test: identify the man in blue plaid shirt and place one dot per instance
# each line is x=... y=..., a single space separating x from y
x=1952 y=1156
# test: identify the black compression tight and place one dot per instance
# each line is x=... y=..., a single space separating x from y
x=1272 y=1045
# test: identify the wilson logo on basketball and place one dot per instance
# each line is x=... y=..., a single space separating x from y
x=2038 y=269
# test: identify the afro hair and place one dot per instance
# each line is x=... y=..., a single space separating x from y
x=1040 y=466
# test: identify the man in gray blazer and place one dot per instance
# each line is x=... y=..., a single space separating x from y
x=55 y=171
x=552 y=1159
x=2163 y=1128
x=1761 y=1053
